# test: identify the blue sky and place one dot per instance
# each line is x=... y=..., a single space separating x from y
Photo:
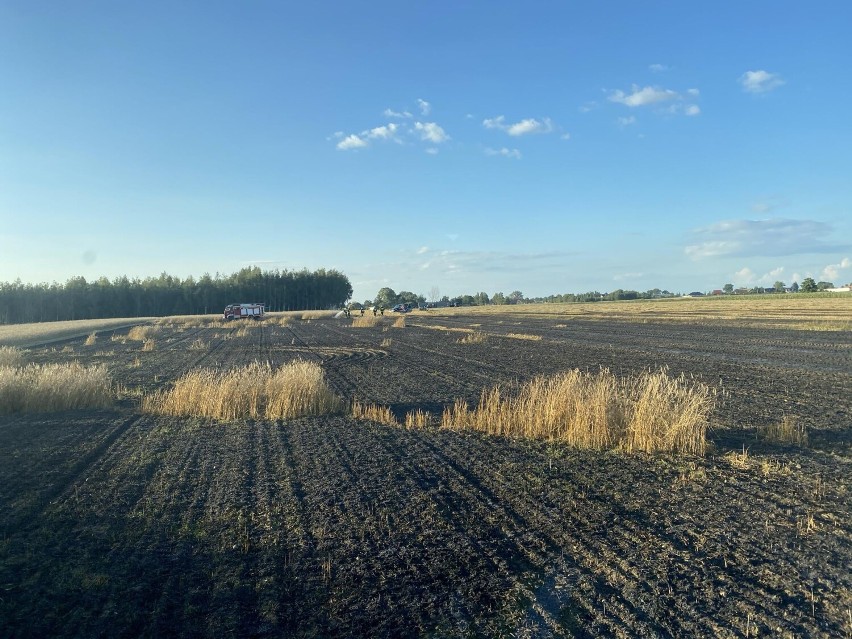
x=484 y=146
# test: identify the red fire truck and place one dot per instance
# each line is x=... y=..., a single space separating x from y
x=239 y=311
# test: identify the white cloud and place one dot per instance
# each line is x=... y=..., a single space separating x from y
x=390 y=113
x=772 y=237
x=658 y=68
x=432 y=132
x=642 y=97
x=495 y=123
x=425 y=107
x=692 y=109
x=422 y=250
x=504 y=152
x=432 y=151
x=745 y=276
x=351 y=142
x=588 y=106
x=693 y=92
x=630 y=119
x=832 y=272
x=386 y=132
x=760 y=81
x=528 y=125
x=565 y=136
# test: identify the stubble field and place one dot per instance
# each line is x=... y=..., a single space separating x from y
x=114 y=522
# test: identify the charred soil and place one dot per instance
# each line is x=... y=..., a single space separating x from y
x=121 y=524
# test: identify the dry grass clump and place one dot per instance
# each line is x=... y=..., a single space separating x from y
x=373 y=413
x=149 y=345
x=652 y=412
x=399 y=322
x=418 y=419
x=477 y=337
x=526 y=336
x=787 y=431
x=141 y=333
x=366 y=321
x=199 y=345
x=309 y=315
x=91 y=339
x=40 y=388
x=386 y=342
x=255 y=391
x=11 y=356
x=451 y=329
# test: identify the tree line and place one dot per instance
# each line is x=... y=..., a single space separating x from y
x=168 y=295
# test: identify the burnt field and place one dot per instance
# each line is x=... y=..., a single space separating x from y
x=118 y=523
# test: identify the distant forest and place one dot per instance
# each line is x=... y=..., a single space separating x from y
x=168 y=295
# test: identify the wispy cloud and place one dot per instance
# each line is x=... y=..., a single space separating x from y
x=831 y=273
x=524 y=127
x=773 y=237
x=760 y=81
x=658 y=68
x=390 y=113
x=643 y=96
x=651 y=95
x=425 y=107
x=385 y=132
x=351 y=142
x=626 y=121
x=432 y=132
x=504 y=152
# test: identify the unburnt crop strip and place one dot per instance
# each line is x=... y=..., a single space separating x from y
x=256 y=391
x=651 y=412
x=41 y=388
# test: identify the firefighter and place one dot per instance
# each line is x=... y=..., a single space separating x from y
x=374 y=311
x=362 y=311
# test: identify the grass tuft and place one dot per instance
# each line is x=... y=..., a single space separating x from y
x=91 y=339
x=11 y=356
x=526 y=336
x=255 y=391
x=41 y=388
x=373 y=413
x=418 y=419
x=477 y=337
x=141 y=333
x=787 y=431
x=399 y=322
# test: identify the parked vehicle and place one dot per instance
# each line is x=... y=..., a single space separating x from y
x=252 y=310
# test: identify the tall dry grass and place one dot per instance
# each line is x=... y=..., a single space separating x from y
x=366 y=321
x=40 y=388
x=399 y=322
x=141 y=333
x=651 y=412
x=373 y=413
x=477 y=337
x=10 y=356
x=788 y=431
x=256 y=391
